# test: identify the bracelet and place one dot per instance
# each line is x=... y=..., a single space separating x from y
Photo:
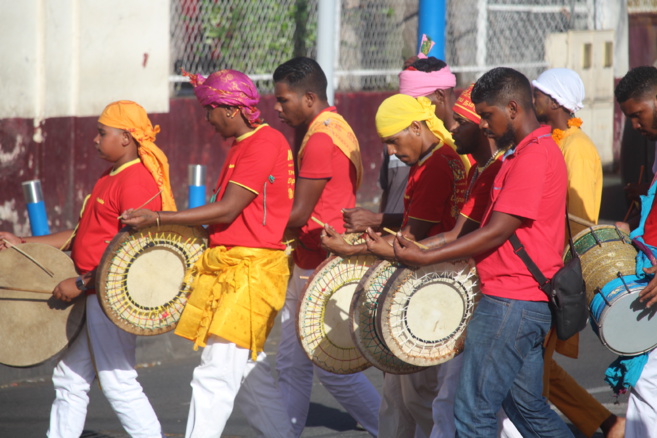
x=157 y=219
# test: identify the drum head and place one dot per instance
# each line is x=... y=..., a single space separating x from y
x=141 y=280
x=362 y=316
x=627 y=327
x=423 y=313
x=604 y=251
x=36 y=326
x=323 y=319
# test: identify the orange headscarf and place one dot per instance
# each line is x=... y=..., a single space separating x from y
x=131 y=117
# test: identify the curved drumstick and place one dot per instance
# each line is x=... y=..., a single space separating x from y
x=646 y=251
x=11 y=245
x=39 y=291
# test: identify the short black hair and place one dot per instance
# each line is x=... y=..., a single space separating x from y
x=303 y=75
x=638 y=82
x=501 y=85
x=428 y=64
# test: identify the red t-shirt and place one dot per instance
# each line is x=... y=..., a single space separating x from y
x=531 y=184
x=322 y=159
x=478 y=197
x=436 y=189
x=128 y=187
x=262 y=163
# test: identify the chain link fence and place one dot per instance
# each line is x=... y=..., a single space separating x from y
x=376 y=36
x=641 y=6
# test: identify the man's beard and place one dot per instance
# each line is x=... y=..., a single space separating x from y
x=507 y=139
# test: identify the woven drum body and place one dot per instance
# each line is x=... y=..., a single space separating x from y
x=36 y=326
x=362 y=316
x=141 y=281
x=423 y=314
x=605 y=252
x=323 y=323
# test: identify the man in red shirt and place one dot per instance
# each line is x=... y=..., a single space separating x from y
x=503 y=354
x=329 y=172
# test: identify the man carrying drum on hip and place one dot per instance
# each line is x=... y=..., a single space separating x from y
x=637 y=95
x=139 y=169
x=239 y=283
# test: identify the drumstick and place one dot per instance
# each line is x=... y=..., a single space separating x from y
x=580 y=221
x=418 y=244
x=26 y=290
x=633 y=203
x=11 y=245
x=154 y=196
x=317 y=221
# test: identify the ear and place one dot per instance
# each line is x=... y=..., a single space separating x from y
x=309 y=99
x=512 y=109
x=126 y=138
x=415 y=128
x=440 y=96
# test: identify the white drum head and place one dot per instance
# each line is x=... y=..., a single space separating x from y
x=627 y=327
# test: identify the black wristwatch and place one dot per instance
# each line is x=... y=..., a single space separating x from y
x=79 y=283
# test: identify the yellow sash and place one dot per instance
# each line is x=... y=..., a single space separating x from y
x=236 y=295
x=336 y=127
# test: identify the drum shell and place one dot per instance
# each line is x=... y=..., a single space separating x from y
x=363 y=317
x=605 y=251
x=622 y=323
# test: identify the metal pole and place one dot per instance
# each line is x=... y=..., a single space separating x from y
x=326 y=16
x=482 y=35
x=431 y=22
x=196 y=191
x=36 y=208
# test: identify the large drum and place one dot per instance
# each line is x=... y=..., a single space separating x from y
x=323 y=323
x=36 y=326
x=423 y=313
x=362 y=315
x=141 y=280
x=606 y=252
x=624 y=324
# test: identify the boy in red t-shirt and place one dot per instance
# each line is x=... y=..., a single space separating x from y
x=329 y=173
x=105 y=351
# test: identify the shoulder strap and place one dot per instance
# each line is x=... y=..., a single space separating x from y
x=520 y=251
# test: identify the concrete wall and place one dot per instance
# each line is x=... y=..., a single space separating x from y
x=72 y=57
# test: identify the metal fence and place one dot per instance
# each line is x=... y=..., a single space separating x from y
x=375 y=36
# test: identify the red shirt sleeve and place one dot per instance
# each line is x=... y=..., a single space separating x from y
x=317 y=158
x=254 y=166
x=477 y=203
x=431 y=192
x=141 y=188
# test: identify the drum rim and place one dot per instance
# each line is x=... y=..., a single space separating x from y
x=359 y=363
x=358 y=336
x=457 y=342
x=196 y=232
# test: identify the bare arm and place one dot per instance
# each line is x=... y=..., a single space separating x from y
x=492 y=235
x=462 y=227
x=55 y=239
x=306 y=195
x=223 y=211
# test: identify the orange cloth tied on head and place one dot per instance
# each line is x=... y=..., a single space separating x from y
x=464 y=106
x=131 y=117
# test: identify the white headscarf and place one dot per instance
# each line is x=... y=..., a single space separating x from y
x=563 y=85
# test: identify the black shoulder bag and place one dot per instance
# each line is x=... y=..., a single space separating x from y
x=566 y=291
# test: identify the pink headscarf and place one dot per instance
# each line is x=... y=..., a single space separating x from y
x=230 y=88
x=417 y=83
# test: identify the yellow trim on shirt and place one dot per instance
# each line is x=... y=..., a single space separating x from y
x=431 y=152
x=469 y=218
x=423 y=220
x=249 y=134
x=242 y=185
x=124 y=166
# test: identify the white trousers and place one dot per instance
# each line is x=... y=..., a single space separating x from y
x=641 y=416
x=295 y=372
x=114 y=358
x=227 y=374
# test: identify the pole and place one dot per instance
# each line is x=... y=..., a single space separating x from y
x=326 y=16
x=36 y=208
x=432 y=23
x=196 y=191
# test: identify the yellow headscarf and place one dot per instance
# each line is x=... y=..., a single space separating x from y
x=397 y=112
x=131 y=117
